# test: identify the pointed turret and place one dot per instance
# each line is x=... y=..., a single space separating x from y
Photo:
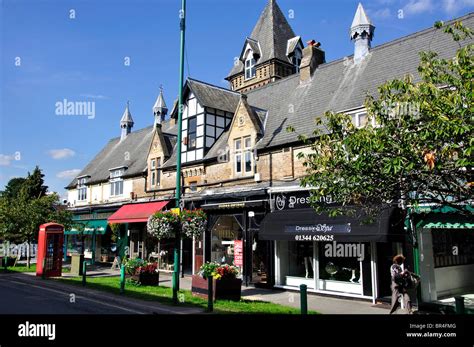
x=159 y=109
x=126 y=123
x=267 y=45
x=362 y=32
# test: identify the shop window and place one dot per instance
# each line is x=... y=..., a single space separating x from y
x=225 y=231
x=452 y=247
x=343 y=267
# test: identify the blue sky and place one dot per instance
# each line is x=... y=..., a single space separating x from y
x=48 y=56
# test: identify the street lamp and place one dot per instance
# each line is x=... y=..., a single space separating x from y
x=182 y=25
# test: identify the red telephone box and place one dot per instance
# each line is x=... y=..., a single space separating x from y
x=50 y=250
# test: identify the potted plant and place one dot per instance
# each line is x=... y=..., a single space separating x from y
x=147 y=275
x=227 y=285
x=131 y=265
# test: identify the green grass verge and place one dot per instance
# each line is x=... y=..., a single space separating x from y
x=164 y=295
x=24 y=268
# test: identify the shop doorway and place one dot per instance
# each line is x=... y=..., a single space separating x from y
x=262 y=255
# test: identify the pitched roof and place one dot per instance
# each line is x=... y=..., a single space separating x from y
x=209 y=95
x=342 y=85
x=160 y=104
x=272 y=32
x=130 y=152
x=127 y=116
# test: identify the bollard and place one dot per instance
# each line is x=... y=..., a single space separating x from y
x=210 y=294
x=459 y=304
x=304 y=299
x=122 y=279
x=84 y=268
x=43 y=273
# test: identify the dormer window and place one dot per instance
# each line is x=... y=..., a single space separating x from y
x=250 y=70
x=116 y=181
x=81 y=189
x=296 y=60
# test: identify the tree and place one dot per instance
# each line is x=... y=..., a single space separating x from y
x=13 y=187
x=22 y=214
x=419 y=151
x=33 y=187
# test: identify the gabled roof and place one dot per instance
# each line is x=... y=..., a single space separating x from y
x=115 y=154
x=293 y=44
x=342 y=85
x=272 y=32
x=209 y=95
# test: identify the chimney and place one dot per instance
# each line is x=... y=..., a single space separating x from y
x=313 y=56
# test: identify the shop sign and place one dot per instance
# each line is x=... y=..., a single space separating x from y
x=231 y=205
x=321 y=228
x=292 y=200
x=238 y=253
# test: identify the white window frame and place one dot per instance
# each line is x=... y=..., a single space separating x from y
x=82 y=189
x=249 y=66
x=242 y=153
x=116 y=179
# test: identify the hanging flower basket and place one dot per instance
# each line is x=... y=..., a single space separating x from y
x=163 y=225
x=193 y=223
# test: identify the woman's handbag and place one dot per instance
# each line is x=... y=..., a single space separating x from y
x=412 y=280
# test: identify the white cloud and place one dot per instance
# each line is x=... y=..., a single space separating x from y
x=453 y=6
x=68 y=174
x=94 y=96
x=5 y=160
x=380 y=14
x=61 y=153
x=418 y=6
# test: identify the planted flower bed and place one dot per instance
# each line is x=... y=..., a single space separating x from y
x=226 y=285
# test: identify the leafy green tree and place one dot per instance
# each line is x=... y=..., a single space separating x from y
x=34 y=187
x=22 y=214
x=420 y=149
x=13 y=187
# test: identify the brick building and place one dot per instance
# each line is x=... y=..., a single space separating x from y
x=241 y=166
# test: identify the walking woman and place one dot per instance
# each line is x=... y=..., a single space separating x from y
x=399 y=284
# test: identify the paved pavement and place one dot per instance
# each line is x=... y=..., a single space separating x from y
x=26 y=294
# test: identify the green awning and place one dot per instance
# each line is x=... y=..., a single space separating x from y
x=96 y=226
x=448 y=225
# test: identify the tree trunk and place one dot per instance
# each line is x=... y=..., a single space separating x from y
x=28 y=260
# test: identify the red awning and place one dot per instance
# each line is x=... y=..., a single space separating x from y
x=136 y=213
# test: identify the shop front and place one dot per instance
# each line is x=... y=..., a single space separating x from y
x=335 y=255
x=232 y=237
x=90 y=238
x=446 y=252
x=134 y=217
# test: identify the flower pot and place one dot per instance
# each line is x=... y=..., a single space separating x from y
x=147 y=279
x=229 y=289
x=224 y=289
